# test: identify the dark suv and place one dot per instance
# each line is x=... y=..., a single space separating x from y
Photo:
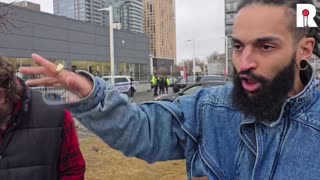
x=189 y=90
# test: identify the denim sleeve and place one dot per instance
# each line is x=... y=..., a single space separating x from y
x=150 y=131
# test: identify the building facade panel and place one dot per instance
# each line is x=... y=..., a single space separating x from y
x=15 y=41
x=45 y=19
x=102 y=40
x=21 y=28
x=14 y=52
x=80 y=26
x=87 y=57
x=43 y=31
x=82 y=37
x=42 y=44
x=19 y=43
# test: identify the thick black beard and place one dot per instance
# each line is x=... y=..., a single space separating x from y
x=266 y=103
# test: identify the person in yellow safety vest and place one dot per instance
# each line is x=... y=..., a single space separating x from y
x=154 y=84
x=168 y=84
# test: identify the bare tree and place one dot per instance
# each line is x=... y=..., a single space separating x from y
x=7 y=17
x=218 y=59
x=189 y=65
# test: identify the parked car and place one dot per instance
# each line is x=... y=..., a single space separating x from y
x=189 y=90
x=182 y=83
x=124 y=84
x=172 y=80
x=213 y=78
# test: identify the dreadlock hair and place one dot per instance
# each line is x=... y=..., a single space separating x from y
x=9 y=81
x=298 y=32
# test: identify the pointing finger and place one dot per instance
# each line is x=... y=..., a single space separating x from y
x=46 y=81
x=50 y=66
x=32 y=70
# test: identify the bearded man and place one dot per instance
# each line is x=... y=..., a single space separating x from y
x=266 y=125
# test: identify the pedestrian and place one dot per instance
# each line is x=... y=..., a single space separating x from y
x=161 y=84
x=264 y=125
x=167 y=84
x=154 y=84
x=37 y=141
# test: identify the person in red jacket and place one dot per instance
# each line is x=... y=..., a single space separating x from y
x=32 y=147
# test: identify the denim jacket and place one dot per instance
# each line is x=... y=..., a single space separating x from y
x=206 y=129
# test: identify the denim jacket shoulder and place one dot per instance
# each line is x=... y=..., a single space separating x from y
x=195 y=106
x=212 y=120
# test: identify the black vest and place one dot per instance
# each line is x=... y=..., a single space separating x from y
x=31 y=146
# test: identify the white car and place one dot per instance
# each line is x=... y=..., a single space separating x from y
x=124 y=84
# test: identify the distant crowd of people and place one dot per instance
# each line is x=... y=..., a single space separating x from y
x=160 y=84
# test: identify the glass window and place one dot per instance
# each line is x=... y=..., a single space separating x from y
x=228 y=6
x=229 y=42
x=120 y=80
x=235 y=4
x=229 y=29
x=139 y=72
x=95 y=67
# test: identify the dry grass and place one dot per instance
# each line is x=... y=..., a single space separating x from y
x=105 y=163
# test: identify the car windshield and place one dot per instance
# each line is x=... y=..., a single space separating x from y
x=192 y=90
x=183 y=81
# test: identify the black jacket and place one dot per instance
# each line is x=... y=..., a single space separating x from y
x=30 y=147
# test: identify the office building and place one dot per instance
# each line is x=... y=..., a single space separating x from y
x=84 y=10
x=129 y=14
x=231 y=7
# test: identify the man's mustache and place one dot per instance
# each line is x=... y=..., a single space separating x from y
x=253 y=76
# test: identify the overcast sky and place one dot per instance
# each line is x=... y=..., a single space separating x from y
x=202 y=21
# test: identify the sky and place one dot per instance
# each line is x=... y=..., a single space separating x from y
x=198 y=22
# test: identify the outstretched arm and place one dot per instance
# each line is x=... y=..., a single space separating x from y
x=150 y=131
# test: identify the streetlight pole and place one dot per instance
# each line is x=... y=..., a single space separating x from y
x=226 y=51
x=194 y=60
x=109 y=9
x=151 y=64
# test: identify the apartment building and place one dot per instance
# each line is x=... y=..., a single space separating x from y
x=84 y=10
x=160 y=26
x=129 y=14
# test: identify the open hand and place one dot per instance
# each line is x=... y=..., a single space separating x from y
x=73 y=82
